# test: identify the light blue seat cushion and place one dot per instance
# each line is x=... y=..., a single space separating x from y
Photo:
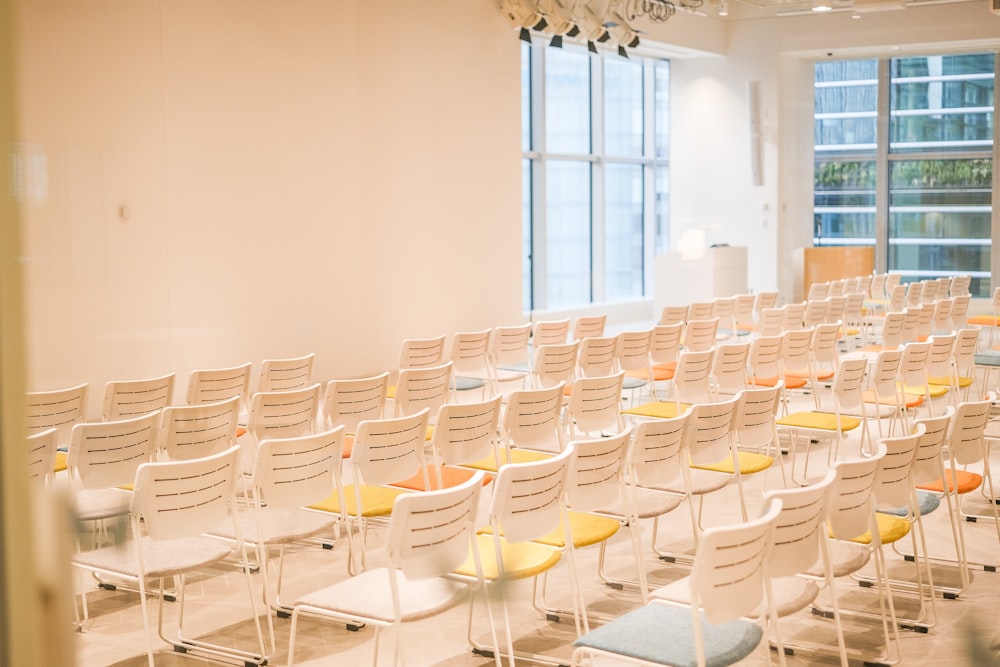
x=465 y=383
x=927 y=502
x=988 y=358
x=663 y=634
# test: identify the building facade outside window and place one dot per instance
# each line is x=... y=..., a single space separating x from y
x=594 y=143
x=904 y=155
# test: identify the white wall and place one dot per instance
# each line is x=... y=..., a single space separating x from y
x=313 y=176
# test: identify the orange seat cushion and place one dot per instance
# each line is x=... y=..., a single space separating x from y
x=963 y=480
x=823 y=377
x=791 y=382
x=450 y=476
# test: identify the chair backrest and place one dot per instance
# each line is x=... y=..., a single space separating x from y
x=470 y=353
x=793 y=314
x=796 y=345
x=765 y=300
x=588 y=326
x=849 y=382
x=555 y=363
x=964 y=351
x=743 y=310
x=801 y=526
x=724 y=308
x=700 y=310
x=960 y=285
x=193 y=431
x=837 y=287
x=710 y=431
x=422 y=352
x=41 y=455
x=665 y=343
x=756 y=412
x=692 y=378
x=177 y=499
x=765 y=357
x=770 y=322
x=509 y=344
x=430 y=533
x=851 y=503
x=892 y=281
x=913 y=364
x=965 y=439
x=595 y=478
x=854 y=308
x=729 y=367
x=300 y=471
x=729 y=570
x=60 y=409
x=928 y=463
x=883 y=377
x=876 y=288
x=655 y=456
x=283 y=414
x=941 y=320
x=699 y=335
x=960 y=310
x=835 y=308
x=824 y=348
x=896 y=294
x=815 y=312
x=103 y=455
x=928 y=291
x=892 y=330
x=596 y=356
x=419 y=388
x=390 y=450
x=894 y=479
x=818 y=291
x=124 y=399
x=532 y=418
x=632 y=349
x=673 y=315
x=595 y=404
x=550 y=332
x=914 y=292
x=939 y=356
x=286 y=374
x=465 y=432
x=350 y=402
x=211 y=385
x=925 y=320
x=527 y=498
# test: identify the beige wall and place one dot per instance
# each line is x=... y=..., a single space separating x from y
x=313 y=176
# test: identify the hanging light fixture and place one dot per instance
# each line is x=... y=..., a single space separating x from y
x=723 y=8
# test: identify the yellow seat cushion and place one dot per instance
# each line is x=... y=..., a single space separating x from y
x=658 y=410
x=515 y=455
x=520 y=560
x=909 y=400
x=963 y=480
x=749 y=464
x=586 y=529
x=450 y=476
x=963 y=382
x=821 y=421
x=391 y=391
x=60 y=464
x=375 y=501
x=934 y=391
x=890 y=529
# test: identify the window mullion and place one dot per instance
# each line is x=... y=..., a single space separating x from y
x=882 y=167
x=539 y=259
x=597 y=182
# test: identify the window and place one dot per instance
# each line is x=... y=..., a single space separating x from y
x=594 y=175
x=925 y=126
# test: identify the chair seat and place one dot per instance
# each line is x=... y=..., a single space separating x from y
x=749 y=463
x=791 y=382
x=586 y=529
x=820 y=421
x=461 y=383
x=961 y=480
x=984 y=320
x=164 y=558
x=702 y=481
x=987 y=358
x=649 y=503
x=521 y=560
x=890 y=529
x=790 y=594
x=368 y=596
x=845 y=558
x=945 y=381
x=933 y=390
x=91 y=505
x=514 y=455
x=280 y=526
x=657 y=410
x=663 y=634
x=630 y=382
x=909 y=400
x=450 y=476
x=60 y=463
x=822 y=377
x=376 y=501
x=927 y=502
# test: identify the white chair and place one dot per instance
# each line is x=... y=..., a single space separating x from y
x=470 y=358
x=555 y=363
x=61 y=409
x=174 y=505
x=550 y=332
x=595 y=406
x=588 y=326
x=211 y=385
x=41 y=457
x=428 y=538
x=195 y=431
x=422 y=352
x=510 y=354
x=419 y=388
x=699 y=620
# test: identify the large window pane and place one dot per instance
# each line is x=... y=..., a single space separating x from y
x=567 y=101
x=846 y=104
x=623 y=231
x=567 y=243
x=939 y=219
x=844 y=210
x=526 y=264
x=661 y=109
x=623 y=108
x=662 y=211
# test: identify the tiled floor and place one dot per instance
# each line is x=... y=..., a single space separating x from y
x=965 y=634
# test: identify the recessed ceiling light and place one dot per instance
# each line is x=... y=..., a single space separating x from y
x=821 y=6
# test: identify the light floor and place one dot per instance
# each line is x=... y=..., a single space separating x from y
x=966 y=632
